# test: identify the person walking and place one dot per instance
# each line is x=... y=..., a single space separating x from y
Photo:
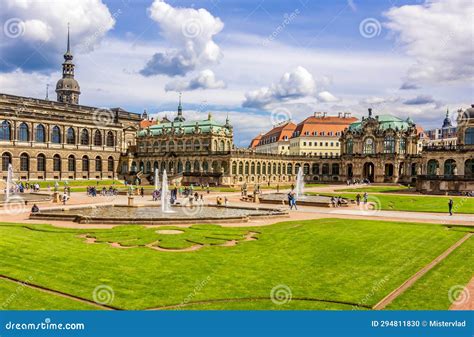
x=358 y=199
x=366 y=197
x=450 y=206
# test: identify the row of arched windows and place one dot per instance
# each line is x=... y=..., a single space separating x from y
x=40 y=135
x=180 y=166
x=188 y=145
x=264 y=168
x=433 y=167
x=57 y=163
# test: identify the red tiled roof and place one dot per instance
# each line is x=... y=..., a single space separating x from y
x=255 y=141
x=324 y=123
x=146 y=123
x=279 y=133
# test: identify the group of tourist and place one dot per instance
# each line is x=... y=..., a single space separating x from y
x=93 y=191
x=292 y=200
x=336 y=201
x=357 y=181
x=23 y=187
x=364 y=198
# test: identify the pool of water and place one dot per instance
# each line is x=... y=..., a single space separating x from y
x=151 y=214
x=25 y=197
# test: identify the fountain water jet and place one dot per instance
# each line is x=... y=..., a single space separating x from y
x=165 y=197
x=300 y=184
x=9 y=181
x=157 y=180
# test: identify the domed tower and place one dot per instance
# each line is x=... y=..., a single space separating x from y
x=67 y=88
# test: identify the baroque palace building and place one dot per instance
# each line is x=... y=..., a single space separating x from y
x=62 y=140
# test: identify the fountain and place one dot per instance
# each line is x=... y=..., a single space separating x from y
x=9 y=181
x=165 y=198
x=157 y=180
x=300 y=184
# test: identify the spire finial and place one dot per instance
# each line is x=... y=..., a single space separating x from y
x=47 y=91
x=68 y=44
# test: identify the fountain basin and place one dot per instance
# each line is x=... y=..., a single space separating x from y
x=307 y=200
x=150 y=215
x=25 y=198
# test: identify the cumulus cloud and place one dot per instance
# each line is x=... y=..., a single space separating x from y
x=439 y=35
x=420 y=100
x=34 y=32
x=206 y=79
x=327 y=97
x=190 y=33
x=294 y=84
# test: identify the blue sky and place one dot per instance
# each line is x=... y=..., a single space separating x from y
x=258 y=61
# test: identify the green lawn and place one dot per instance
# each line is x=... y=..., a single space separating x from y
x=15 y=296
x=419 y=203
x=327 y=259
x=455 y=271
x=376 y=189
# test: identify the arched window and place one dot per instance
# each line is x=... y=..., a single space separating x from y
x=41 y=163
x=325 y=169
x=197 y=145
x=24 y=162
x=234 y=168
x=197 y=167
x=389 y=144
x=56 y=162
x=205 y=166
x=97 y=138
x=5 y=131
x=369 y=146
x=180 y=145
x=289 y=169
x=187 y=166
x=306 y=168
x=432 y=167
x=171 y=145
x=241 y=168
x=315 y=169
x=469 y=136
x=55 y=135
x=40 y=134
x=6 y=159
x=349 y=146
x=110 y=164
x=148 y=167
x=71 y=163
x=180 y=166
x=98 y=164
x=70 y=136
x=335 y=169
x=247 y=168
x=403 y=146
x=110 y=139
x=449 y=166
x=23 y=133
x=85 y=164
x=252 y=168
x=84 y=137
x=469 y=168
x=221 y=146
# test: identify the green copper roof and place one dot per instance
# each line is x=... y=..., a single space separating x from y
x=386 y=122
x=190 y=127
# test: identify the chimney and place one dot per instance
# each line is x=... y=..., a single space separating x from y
x=370 y=112
x=317 y=114
x=472 y=105
x=324 y=114
x=339 y=114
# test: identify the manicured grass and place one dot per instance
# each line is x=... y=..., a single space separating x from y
x=419 y=203
x=455 y=271
x=325 y=259
x=14 y=296
x=376 y=189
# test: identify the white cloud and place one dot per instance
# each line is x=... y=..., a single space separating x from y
x=190 y=32
x=294 y=84
x=206 y=79
x=438 y=35
x=327 y=97
x=34 y=32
